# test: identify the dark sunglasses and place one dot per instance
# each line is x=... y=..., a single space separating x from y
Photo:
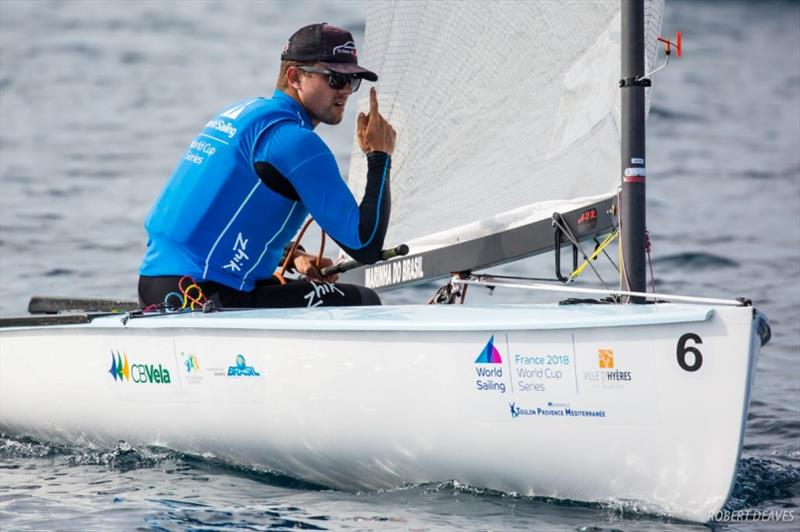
x=335 y=80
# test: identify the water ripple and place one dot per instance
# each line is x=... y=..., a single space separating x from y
x=695 y=261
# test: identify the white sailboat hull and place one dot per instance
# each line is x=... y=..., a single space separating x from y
x=588 y=402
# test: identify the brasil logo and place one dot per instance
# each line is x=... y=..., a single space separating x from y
x=241 y=369
x=490 y=354
x=122 y=371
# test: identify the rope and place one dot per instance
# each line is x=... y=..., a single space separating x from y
x=192 y=294
x=600 y=248
x=282 y=271
x=614 y=264
x=648 y=246
x=491 y=281
x=187 y=296
x=623 y=270
x=567 y=231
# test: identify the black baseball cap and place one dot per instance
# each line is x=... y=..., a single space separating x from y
x=331 y=46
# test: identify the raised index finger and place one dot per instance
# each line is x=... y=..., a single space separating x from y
x=373 y=101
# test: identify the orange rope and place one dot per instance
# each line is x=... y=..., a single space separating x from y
x=280 y=273
x=321 y=250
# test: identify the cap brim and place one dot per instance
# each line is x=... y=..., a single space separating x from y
x=349 y=68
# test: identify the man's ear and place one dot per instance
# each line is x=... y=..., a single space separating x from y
x=293 y=75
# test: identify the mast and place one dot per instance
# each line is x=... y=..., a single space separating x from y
x=633 y=215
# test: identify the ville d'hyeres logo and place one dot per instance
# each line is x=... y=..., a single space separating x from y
x=489 y=369
x=605 y=359
x=610 y=373
x=241 y=369
x=122 y=371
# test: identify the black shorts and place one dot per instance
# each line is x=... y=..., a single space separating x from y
x=268 y=293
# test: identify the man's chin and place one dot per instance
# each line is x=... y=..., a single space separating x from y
x=332 y=120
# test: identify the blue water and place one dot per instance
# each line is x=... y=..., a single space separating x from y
x=99 y=99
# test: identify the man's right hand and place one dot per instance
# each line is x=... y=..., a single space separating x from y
x=373 y=131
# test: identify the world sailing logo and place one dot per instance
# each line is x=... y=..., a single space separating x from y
x=490 y=354
x=122 y=371
x=490 y=379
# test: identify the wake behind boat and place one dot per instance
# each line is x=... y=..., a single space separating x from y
x=640 y=403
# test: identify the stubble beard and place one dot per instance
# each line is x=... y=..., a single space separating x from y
x=331 y=116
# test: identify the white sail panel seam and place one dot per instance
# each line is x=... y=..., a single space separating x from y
x=230 y=222
x=266 y=246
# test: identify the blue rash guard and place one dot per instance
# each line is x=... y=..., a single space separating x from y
x=244 y=188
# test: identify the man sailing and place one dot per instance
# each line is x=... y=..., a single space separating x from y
x=256 y=171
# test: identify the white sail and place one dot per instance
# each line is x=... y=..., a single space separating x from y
x=497 y=105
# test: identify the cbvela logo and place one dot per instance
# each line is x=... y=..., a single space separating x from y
x=241 y=369
x=489 y=369
x=122 y=371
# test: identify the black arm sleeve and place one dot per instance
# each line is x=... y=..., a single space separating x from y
x=374 y=210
